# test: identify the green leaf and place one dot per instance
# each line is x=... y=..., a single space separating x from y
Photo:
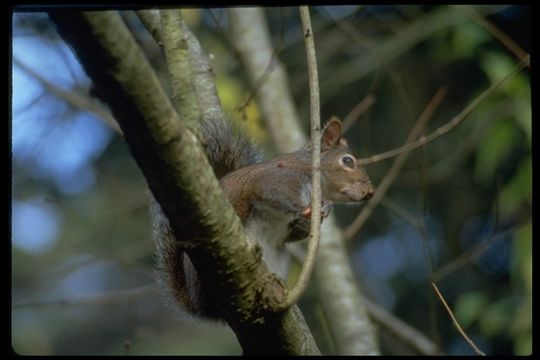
x=522 y=113
x=497 y=65
x=469 y=306
x=518 y=190
x=521 y=272
x=467 y=38
x=522 y=321
x=521 y=260
x=494 y=148
x=496 y=319
x=523 y=345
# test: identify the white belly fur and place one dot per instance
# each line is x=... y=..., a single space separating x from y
x=270 y=231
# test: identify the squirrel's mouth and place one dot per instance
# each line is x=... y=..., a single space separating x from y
x=357 y=195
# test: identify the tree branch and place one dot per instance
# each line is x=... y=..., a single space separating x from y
x=313 y=245
x=456 y=324
x=452 y=124
x=201 y=67
x=252 y=41
x=395 y=168
x=338 y=292
x=406 y=333
x=204 y=78
x=152 y=23
x=180 y=177
x=357 y=111
x=395 y=46
x=72 y=98
x=504 y=39
x=180 y=72
x=401 y=329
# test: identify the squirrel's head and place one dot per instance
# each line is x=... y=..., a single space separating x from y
x=343 y=180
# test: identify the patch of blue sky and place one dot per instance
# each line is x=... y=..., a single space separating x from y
x=52 y=146
x=25 y=90
x=400 y=251
x=35 y=225
x=50 y=57
x=379 y=258
x=63 y=152
x=480 y=229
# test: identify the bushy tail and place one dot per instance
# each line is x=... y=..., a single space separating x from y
x=227 y=148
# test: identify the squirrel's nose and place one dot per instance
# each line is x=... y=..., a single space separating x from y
x=369 y=193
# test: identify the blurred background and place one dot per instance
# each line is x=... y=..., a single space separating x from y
x=458 y=213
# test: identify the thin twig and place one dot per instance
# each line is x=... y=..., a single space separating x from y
x=401 y=329
x=313 y=245
x=338 y=292
x=370 y=45
x=393 y=47
x=257 y=84
x=449 y=164
x=405 y=332
x=72 y=98
x=395 y=168
x=358 y=110
x=36 y=99
x=415 y=221
x=151 y=126
x=463 y=259
x=419 y=224
x=251 y=38
x=476 y=349
x=451 y=125
x=474 y=252
x=510 y=44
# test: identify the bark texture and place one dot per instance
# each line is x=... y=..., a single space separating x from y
x=178 y=174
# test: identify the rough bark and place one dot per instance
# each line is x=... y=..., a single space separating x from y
x=178 y=174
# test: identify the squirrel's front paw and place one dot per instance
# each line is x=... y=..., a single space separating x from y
x=326 y=208
x=299 y=229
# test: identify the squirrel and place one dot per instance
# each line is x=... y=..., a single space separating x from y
x=272 y=199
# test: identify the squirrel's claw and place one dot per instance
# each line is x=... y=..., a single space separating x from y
x=326 y=208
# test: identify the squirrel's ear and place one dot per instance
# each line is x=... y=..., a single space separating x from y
x=331 y=134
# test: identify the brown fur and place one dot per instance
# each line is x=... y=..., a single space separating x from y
x=270 y=197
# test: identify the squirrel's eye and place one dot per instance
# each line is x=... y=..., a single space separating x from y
x=348 y=161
